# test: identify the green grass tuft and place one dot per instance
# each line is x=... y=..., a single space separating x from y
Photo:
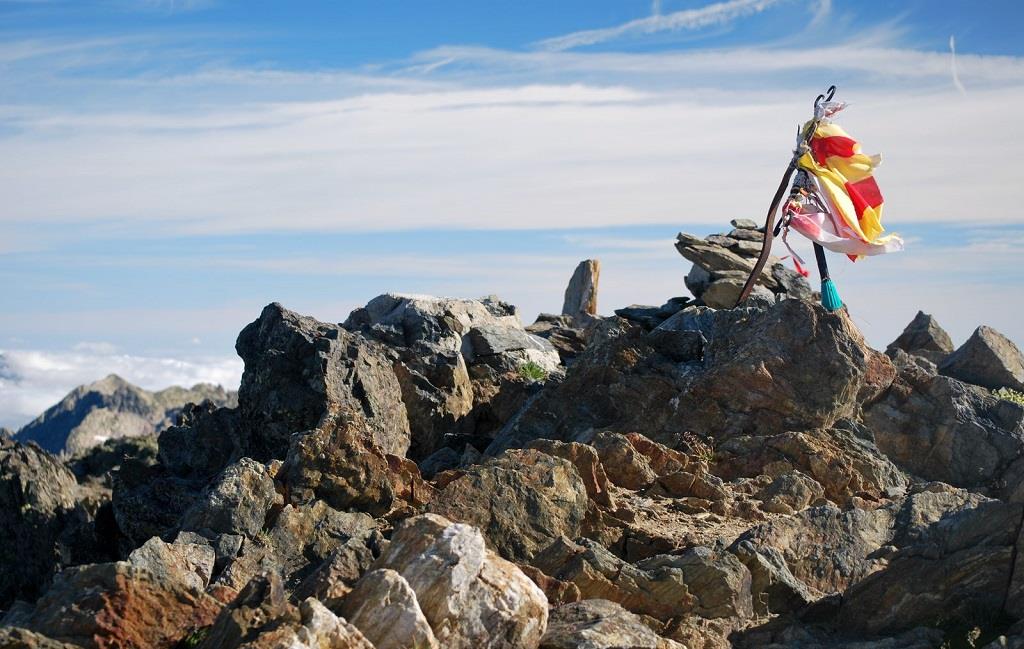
x=532 y=372
x=1011 y=395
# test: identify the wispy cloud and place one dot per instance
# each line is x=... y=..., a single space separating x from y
x=716 y=14
x=952 y=66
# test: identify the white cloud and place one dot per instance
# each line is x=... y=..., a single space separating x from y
x=32 y=380
x=719 y=13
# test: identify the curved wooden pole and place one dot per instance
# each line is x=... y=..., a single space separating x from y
x=769 y=235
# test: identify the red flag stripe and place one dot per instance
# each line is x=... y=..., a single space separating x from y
x=836 y=145
x=864 y=194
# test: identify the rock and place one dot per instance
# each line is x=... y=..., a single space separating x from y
x=189 y=564
x=645 y=315
x=722 y=293
x=13 y=637
x=923 y=337
x=299 y=372
x=697 y=280
x=757 y=377
x=383 y=607
x=699 y=580
x=338 y=464
x=556 y=591
x=774 y=589
x=746 y=248
x=470 y=596
x=113 y=408
x=744 y=224
x=715 y=258
x=37 y=498
x=988 y=359
x=941 y=429
x=561 y=331
x=96 y=464
x=587 y=464
x=521 y=500
x=581 y=293
x=120 y=605
x=599 y=624
x=792 y=283
x=952 y=569
x=454 y=394
x=236 y=503
x=747 y=234
x=205 y=440
x=844 y=464
x=261 y=605
x=790 y=492
x=826 y=548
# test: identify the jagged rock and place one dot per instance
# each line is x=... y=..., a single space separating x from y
x=599 y=624
x=588 y=465
x=301 y=540
x=824 y=547
x=556 y=591
x=236 y=503
x=790 y=492
x=941 y=429
x=37 y=497
x=714 y=258
x=562 y=333
x=337 y=463
x=952 y=569
x=923 y=337
x=95 y=464
x=988 y=359
x=757 y=377
x=261 y=605
x=581 y=294
x=845 y=465
x=521 y=500
x=683 y=484
x=746 y=234
x=697 y=280
x=792 y=283
x=300 y=372
x=744 y=224
x=774 y=589
x=120 y=605
x=383 y=607
x=205 y=440
x=190 y=564
x=699 y=580
x=723 y=293
x=113 y=408
x=470 y=596
x=13 y=637
x=454 y=382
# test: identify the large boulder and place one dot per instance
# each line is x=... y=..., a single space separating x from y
x=599 y=624
x=383 y=606
x=470 y=596
x=988 y=359
x=120 y=605
x=942 y=576
x=790 y=366
x=300 y=372
x=521 y=500
x=581 y=294
x=941 y=429
x=37 y=498
x=923 y=337
x=700 y=581
x=236 y=503
x=458 y=362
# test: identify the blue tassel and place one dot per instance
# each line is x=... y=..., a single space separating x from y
x=830 y=296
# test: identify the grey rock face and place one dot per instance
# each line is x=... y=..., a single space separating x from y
x=755 y=377
x=458 y=363
x=470 y=596
x=521 y=501
x=299 y=372
x=923 y=337
x=581 y=294
x=988 y=359
x=37 y=497
x=941 y=429
x=113 y=408
x=744 y=224
x=599 y=624
x=236 y=503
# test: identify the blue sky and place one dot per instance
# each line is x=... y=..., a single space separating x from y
x=168 y=167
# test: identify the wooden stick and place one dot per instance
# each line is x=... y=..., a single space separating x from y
x=769 y=235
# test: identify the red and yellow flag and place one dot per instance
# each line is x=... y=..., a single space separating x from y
x=845 y=175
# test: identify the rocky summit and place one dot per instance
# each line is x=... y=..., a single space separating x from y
x=430 y=473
